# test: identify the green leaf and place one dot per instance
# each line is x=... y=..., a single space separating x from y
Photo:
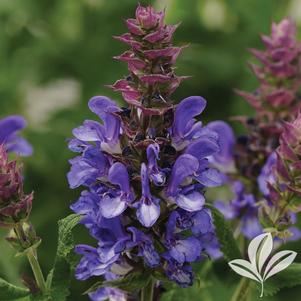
x=169 y=295
x=224 y=235
x=289 y=277
x=60 y=277
x=133 y=282
x=9 y=291
x=40 y=297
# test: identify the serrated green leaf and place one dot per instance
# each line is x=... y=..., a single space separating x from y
x=61 y=273
x=9 y=291
x=289 y=277
x=224 y=235
x=133 y=282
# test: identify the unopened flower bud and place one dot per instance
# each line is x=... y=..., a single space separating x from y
x=15 y=206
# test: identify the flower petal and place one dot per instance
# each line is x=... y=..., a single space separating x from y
x=89 y=131
x=194 y=201
x=118 y=175
x=202 y=222
x=202 y=148
x=104 y=108
x=19 y=146
x=210 y=177
x=226 y=141
x=186 y=250
x=185 y=112
x=148 y=212
x=185 y=166
x=112 y=206
x=10 y=125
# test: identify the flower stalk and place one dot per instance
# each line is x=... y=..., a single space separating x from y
x=15 y=207
x=31 y=253
x=147 y=293
x=242 y=292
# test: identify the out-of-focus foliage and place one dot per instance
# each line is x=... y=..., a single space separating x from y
x=56 y=54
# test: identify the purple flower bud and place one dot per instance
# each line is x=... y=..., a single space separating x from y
x=156 y=175
x=15 y=206
x=279 y=75
x=283 y=34
x=148 y=207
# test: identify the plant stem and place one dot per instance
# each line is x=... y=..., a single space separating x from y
x=242 y=291
x=147 y=293
x=35 y=266
x=32 y=258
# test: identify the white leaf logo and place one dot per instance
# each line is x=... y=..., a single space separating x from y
x=258 y=267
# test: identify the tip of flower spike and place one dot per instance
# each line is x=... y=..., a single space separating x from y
x=150 y=61
x=148 y=18
x=283 y=33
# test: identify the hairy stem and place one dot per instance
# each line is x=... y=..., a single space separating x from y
x=32 y=258
x=147 y=293
x=35 y=266
x=242 y=291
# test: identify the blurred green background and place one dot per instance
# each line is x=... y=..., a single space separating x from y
x=56 y=54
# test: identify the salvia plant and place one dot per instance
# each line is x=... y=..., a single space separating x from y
x=144 y=170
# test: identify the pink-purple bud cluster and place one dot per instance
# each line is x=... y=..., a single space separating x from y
x=15 y=206
x=150 y=61
x=279 y=74
x=266 y=174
